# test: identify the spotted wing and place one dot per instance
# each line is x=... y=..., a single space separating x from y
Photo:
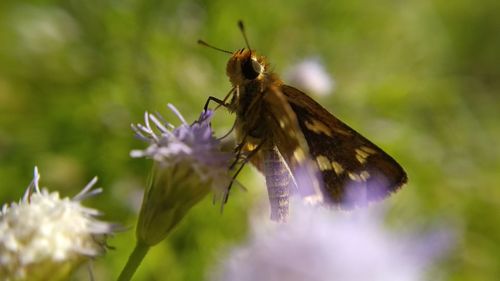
x=353 y=169
x=286 y=135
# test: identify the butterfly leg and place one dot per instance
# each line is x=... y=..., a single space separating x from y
x=238 y=150
x=218 y=101
x=214 y=99
x=243 y=163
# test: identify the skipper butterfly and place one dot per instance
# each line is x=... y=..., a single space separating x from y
x=298 y=145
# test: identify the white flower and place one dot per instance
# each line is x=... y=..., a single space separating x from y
x=188 y=164
x=311 y=76
x=321 y=245
x=45 y=237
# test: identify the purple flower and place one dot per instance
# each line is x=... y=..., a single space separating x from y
x=188 y=163
x=320 y=245
x=193 y=144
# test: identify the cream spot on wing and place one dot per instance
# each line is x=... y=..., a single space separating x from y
x=362 y=153
x=364 y=175
x=299 y=155
x=282 y=124
x=323 y=163
x=354 y=177
x=360 y=159
x=367 y=149
x=318 y=127
x=337 y=167
x=342 y=132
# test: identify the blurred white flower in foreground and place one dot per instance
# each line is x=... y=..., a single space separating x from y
x=321 y=245
x=45 y=237
x=310 y=76
x=188 y=164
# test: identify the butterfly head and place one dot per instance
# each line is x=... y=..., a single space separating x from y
x=245 y=66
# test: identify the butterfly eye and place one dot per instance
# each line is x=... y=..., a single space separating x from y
x=251 y=68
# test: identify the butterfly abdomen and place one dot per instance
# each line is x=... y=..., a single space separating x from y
x=278 y=181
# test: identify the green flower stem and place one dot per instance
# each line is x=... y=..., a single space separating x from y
x=134 y=261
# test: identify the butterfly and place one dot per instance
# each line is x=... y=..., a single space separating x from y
x=297 y=144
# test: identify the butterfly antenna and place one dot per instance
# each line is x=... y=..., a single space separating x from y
x=242 y=29
x=201 y=42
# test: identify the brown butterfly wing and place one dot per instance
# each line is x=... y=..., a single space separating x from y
x=285 y=134
x=354 y=170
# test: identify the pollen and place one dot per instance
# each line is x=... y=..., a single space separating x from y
x=323 y=163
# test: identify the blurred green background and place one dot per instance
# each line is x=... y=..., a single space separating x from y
x=419 y=78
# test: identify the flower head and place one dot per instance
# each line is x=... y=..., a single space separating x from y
x=310 y=75
x=188 y=163
x=193 y=144
x=45 y=237
x=320 y=245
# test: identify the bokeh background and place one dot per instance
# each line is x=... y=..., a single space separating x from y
x=419 y=78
